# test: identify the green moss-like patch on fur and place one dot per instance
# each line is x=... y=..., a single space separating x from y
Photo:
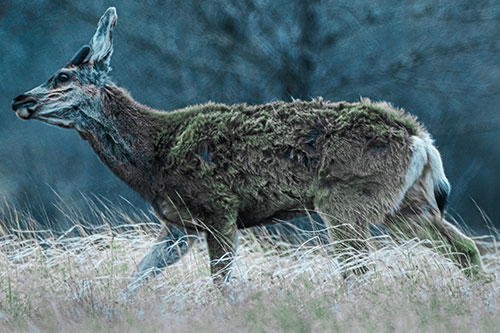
x=278 y=123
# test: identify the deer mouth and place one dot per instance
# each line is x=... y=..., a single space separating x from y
x=25 y=113
x=55 y=121
x=24 y=106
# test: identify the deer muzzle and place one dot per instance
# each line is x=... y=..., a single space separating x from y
x=24 y=106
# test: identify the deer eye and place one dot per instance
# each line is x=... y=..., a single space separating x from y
x=62 y=77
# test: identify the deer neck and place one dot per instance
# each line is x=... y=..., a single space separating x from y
x=123 y=139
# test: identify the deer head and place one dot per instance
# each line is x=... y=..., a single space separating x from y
x=70 y=98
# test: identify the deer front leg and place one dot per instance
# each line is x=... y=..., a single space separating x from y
x=171 y=245
x=221 y=245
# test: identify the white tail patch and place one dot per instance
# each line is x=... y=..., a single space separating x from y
x=424 y=153
x=441 y=186
x=438 y=175
x=417 y=164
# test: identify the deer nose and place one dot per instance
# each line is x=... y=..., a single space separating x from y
x=24 y=105
x=26 y=101
x=23 y=100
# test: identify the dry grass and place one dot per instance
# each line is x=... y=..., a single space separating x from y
x=77 y=283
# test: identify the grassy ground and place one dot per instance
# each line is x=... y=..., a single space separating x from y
x=77 y=284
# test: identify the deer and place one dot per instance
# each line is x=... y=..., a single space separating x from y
x=214 y=168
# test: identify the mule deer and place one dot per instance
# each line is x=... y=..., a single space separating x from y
x=216 y=168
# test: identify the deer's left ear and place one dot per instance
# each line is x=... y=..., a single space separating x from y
x=101 y=44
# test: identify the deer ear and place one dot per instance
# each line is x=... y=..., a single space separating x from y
x=80 y=56
x=101 y=44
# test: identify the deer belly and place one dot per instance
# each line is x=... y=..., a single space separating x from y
x=168 y=212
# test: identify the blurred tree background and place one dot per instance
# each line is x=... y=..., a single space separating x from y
x=437 y=59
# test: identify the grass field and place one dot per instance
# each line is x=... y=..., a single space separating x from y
x=77 y=283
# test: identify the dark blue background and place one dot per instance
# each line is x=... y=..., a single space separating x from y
x=437 y=59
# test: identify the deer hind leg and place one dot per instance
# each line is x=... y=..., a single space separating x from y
x=419 y=218
x=347 y=210
x=462 y=248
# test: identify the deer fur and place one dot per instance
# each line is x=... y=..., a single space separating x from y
x=216 y=168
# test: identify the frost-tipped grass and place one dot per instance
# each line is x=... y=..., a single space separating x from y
x=78 y=283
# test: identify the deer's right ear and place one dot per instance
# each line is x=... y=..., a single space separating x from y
x=101 y=44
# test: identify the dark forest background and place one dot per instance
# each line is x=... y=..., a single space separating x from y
x=437 y=59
